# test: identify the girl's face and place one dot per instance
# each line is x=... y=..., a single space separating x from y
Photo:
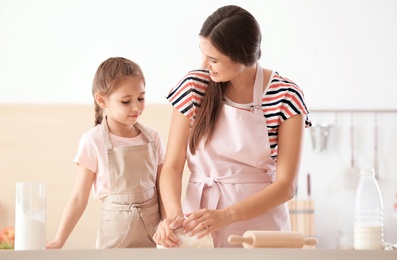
x=220 y=66
x=126 y=103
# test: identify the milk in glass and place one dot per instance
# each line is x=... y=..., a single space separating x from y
x=30 y=216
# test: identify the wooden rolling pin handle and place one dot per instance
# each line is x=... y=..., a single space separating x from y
x=310 y=241
x=234 y=239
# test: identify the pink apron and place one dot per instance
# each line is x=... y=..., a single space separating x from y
x=233 y=166
x=130 y=213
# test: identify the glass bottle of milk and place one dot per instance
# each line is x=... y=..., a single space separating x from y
x=368 y=213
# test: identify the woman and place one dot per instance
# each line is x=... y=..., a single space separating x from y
x=240 y=128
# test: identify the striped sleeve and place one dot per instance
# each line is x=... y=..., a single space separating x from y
x=186 y=96
x=282 y=100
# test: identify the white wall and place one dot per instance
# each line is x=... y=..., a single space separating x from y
x=342 y=53
x=49 y=50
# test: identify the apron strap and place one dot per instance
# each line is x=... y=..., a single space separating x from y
x=258 y=91
x=105 y=134
x=108 y=142
x=148 y=136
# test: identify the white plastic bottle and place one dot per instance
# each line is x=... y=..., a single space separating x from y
x=368 y=213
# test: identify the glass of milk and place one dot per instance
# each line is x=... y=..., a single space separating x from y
x=30 y=216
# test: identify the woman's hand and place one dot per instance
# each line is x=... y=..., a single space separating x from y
x=205 y=221
x=164 y=235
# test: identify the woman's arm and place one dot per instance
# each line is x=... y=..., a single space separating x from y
x=290 y=140
x=171 y=174
x=162 y=210
x=74 y=208
x=170 y=180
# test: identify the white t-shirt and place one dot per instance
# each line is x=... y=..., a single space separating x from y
x=92 y=155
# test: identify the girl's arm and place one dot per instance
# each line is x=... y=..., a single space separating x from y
x=290 y=140
x=170 y=181
x=74 y=208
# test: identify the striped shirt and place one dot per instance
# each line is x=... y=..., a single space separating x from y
x=281 y=100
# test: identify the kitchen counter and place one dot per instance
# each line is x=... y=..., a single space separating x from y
x=200 y=254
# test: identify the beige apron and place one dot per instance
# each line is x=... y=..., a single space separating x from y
x=130 y=213
x=233 y=166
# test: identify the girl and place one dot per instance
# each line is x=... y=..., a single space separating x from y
x=240 y=128
x=121 y=159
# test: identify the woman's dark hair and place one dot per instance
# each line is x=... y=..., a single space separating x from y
x=236 y=34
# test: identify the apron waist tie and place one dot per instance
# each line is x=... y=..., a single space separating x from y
x=213 y=183
x=137 y=211
x=112 y=205
x=138 y=197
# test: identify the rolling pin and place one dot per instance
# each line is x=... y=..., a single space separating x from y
x=275 y=239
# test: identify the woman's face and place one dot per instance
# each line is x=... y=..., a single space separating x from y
x=220 y=66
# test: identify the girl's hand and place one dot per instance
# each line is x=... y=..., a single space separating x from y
x=205 y=221
x=53 y=245
x=164 y=235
